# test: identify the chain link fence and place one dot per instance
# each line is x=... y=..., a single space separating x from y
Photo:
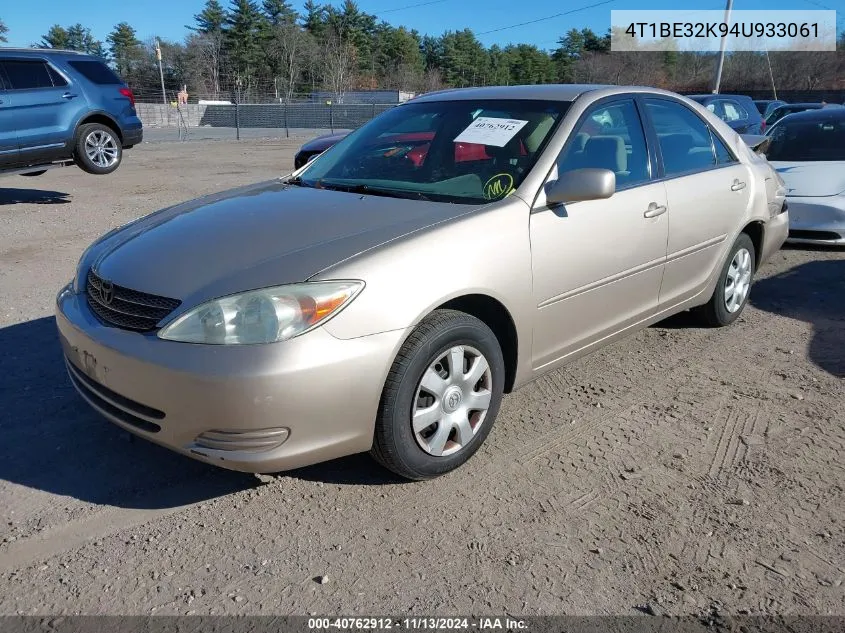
x=252 y=120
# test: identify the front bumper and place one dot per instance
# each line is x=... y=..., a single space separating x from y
x=817 y=220
x=309 y=399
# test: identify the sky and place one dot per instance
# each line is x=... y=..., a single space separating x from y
x=28 y=21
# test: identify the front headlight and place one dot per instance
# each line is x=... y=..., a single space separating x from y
x=262 y=316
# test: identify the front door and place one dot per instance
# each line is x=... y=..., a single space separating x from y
x=598 y=264
x=8 y=128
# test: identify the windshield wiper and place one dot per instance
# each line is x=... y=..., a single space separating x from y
x=374 y=191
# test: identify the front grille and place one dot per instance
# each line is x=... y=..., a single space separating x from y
x=126 y=308
x=113 y=404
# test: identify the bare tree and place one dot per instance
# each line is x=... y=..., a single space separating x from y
x=207 y=56
x=338 y=65
x=291 y=52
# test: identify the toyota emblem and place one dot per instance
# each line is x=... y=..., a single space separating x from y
x=107 y=292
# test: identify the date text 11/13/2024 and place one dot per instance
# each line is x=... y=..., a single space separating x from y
x=417 y=624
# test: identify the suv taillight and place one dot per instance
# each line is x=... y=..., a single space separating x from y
x=763 y=125
x=126 y=92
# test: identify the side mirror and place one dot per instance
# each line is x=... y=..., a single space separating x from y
x=579 y=185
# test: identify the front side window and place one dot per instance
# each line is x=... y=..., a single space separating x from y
x=27 y=74
x=684 y=138
x=610 y=137
x=466 y=152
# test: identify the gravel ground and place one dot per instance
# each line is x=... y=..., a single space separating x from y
x=681 y=471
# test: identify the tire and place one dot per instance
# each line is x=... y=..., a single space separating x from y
x=725 y=307
x=32 y=174
x=416 y=454
x=89 y=138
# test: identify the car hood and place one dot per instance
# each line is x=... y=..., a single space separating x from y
x=322 y=143
x=812 y=178
x=257 y=236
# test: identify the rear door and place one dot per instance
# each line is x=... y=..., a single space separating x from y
x=45 y=106
x=8 y=131
x=708 y=191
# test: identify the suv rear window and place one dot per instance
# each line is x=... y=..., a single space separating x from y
x=96 y=72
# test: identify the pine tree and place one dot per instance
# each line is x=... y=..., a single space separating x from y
x=74 y=38
x=313 y=20
x=211 y=19
x=124 y=46
x=279 y=12
x=3 y=30
x=244 y=28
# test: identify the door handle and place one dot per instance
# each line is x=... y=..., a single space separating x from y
x=737 y=186
x=654 y=210
x=69 y=95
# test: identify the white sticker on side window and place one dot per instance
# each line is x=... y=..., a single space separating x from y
x=487 y=130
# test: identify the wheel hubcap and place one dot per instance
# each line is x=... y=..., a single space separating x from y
x=738 y=280
x=101 y=148
x=451 y=401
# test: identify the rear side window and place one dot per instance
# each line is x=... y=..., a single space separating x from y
x=58 y=80
x=95 y=72
x=734 y=111
x=684 y=138
x=723 y=154
x=24 y=74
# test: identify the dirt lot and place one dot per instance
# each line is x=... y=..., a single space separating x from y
x=686 y=469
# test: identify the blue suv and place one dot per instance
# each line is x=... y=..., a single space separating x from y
x=58 y=107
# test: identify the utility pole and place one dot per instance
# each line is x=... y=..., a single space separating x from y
x=771 y=75
x=721 y=63
x=160 y=71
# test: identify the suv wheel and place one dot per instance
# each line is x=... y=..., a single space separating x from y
x=98 y=149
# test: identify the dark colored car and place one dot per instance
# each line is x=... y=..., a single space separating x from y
x=766 y=106
x=315 y=147
x=60 y=106
x=738 y=111
x=791 y=108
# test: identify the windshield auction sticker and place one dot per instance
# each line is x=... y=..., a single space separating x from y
x=487 y=130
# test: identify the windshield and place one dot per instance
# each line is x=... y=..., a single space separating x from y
x=804 y=140
x=467 y=152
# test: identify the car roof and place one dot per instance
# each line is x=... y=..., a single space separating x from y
x=46 y=52
x=543 y=92
x=818 y=114
x=717 y=96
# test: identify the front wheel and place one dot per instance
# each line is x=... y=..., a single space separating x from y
x=731 y=294
x=98 y=149
x=441 y=397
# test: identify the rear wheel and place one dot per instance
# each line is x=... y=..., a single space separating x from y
x=98 y=149
x=441 y=397
x=731 y=294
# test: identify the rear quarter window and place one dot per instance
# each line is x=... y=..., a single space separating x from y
x=95 y=72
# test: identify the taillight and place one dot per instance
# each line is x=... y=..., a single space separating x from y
x=763 y=125
x=126 y=92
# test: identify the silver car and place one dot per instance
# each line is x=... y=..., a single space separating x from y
x=386 y=295
x=808 y=151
